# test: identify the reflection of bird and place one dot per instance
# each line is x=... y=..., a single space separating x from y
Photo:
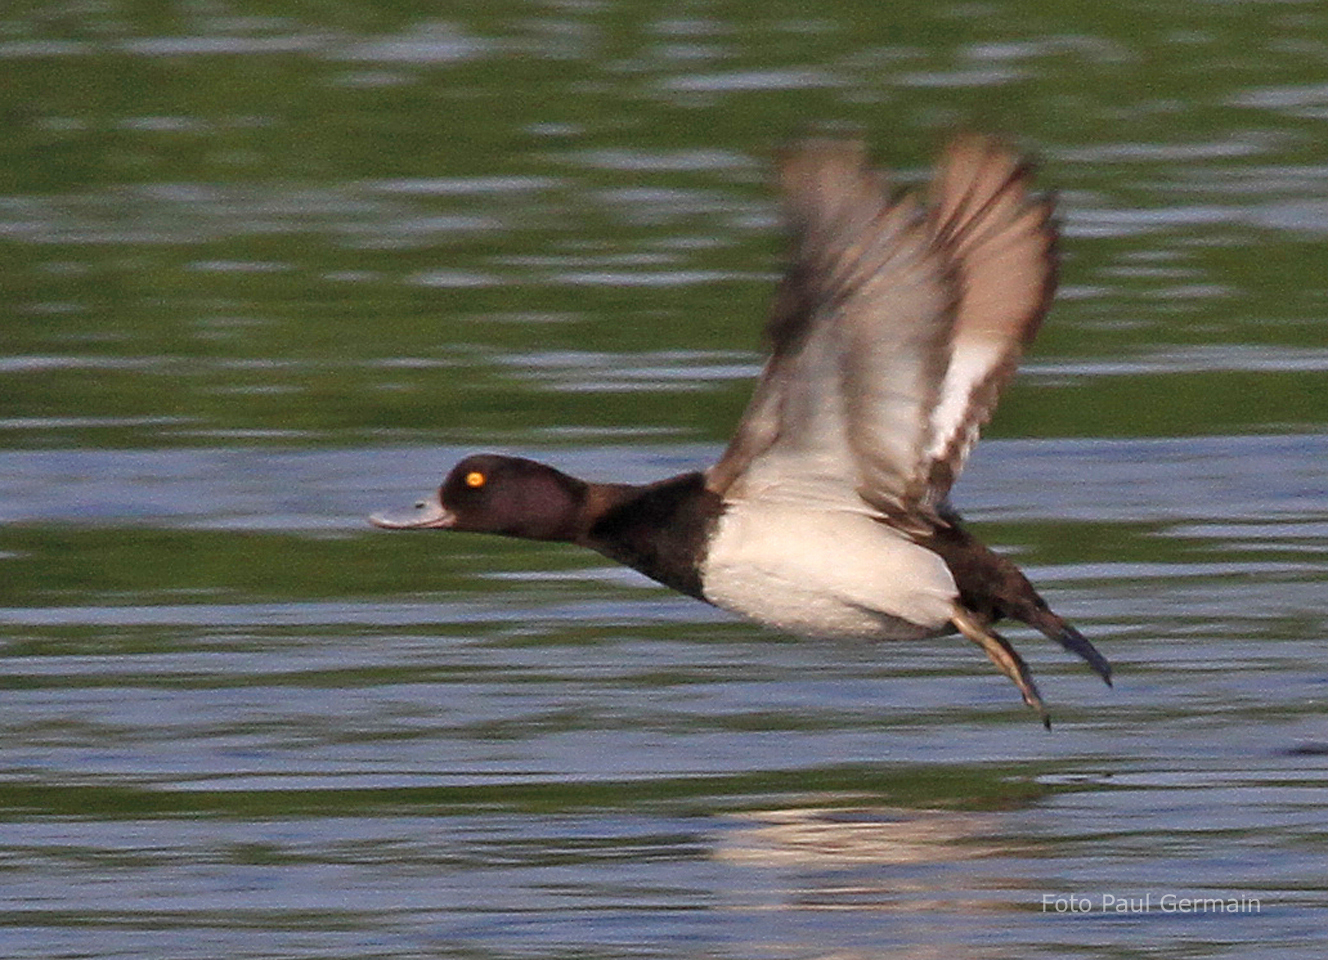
x=895 y=326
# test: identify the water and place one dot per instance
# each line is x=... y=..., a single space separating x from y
x=266 y=273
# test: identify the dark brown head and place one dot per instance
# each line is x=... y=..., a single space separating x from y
x=491 y=493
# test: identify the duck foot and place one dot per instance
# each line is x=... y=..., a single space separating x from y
x=1004 y=656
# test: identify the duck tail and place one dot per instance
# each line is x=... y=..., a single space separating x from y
x=1041 y=618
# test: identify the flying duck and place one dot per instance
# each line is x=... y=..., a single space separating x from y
x=897 y=322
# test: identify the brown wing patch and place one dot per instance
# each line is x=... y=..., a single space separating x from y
x=859 y=325
x=1003 y=242
x=895 y=326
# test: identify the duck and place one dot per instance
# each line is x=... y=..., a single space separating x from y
x=899 y=317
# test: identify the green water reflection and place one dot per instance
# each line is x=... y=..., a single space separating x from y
x=315 y=230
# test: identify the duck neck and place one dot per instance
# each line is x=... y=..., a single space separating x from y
x=660 y=529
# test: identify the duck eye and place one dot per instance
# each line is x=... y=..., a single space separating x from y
x=475 y=479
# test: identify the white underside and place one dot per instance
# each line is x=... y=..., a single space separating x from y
x=826 y=573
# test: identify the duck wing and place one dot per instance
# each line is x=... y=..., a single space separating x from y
x=893 y=329
x=1003 y=243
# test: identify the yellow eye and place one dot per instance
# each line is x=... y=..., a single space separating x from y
x=474 y=479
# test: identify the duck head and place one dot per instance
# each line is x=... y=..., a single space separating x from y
x=492 y=493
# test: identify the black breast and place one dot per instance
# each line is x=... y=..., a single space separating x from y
x=661 y=529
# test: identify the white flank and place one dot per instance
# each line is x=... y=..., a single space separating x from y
x=821 y=573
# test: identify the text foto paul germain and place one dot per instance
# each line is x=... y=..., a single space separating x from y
x=1148 y=903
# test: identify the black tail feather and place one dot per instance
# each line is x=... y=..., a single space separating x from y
x=1075 y=642
x=992 y=587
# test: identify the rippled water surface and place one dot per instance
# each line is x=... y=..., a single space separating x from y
x=268 y=268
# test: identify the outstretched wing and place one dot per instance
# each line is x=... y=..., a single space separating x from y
x=893 y=328
x=858 y=339
x=1003 y=242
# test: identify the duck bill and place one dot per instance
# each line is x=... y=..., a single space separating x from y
x=425 y=515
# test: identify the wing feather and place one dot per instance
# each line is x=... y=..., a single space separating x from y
x=893 y=330
x=857 y=332
x=1004 y=244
